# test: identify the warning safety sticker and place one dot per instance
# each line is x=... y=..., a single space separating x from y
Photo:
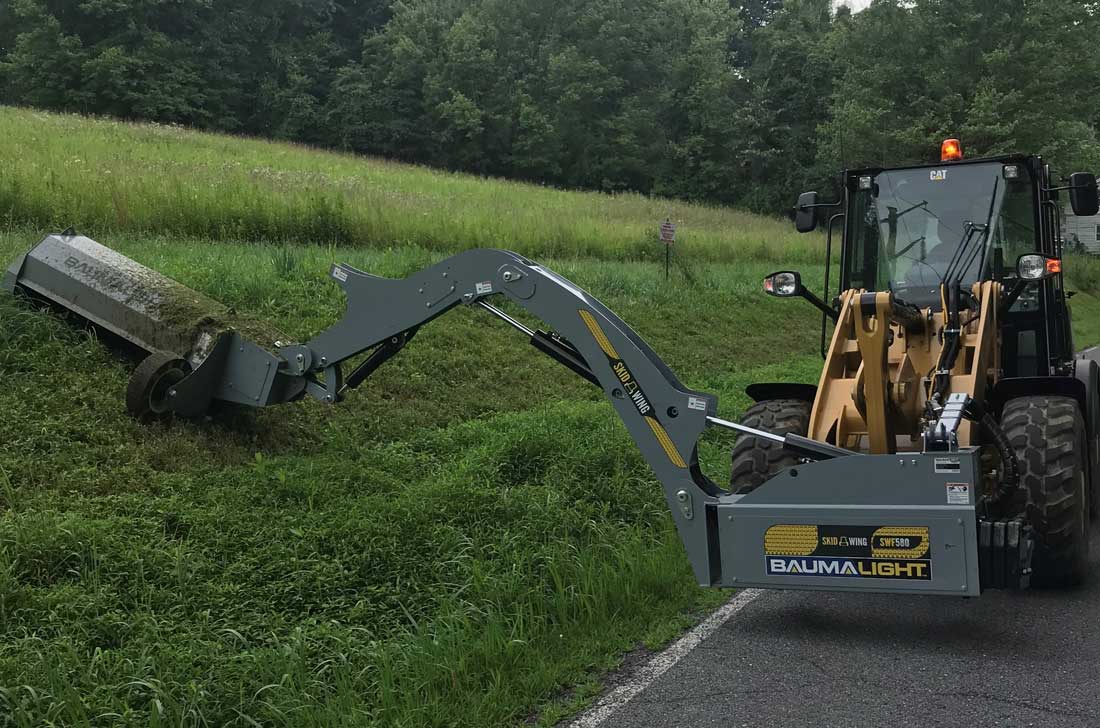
x=958 y=494
x=860 y=552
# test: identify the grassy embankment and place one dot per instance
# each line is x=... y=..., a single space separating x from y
x=471 y=533
x=112 y=177
x=468 y=535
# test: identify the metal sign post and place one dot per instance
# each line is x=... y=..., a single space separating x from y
x=668 y=237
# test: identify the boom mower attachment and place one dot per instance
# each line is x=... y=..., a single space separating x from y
x=836 y=519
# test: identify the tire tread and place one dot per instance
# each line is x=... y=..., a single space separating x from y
x=1048 y=434
x=756 y=460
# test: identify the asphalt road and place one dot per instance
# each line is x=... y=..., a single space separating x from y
x=829 y=659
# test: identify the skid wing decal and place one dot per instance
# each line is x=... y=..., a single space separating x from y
x=632 y=390
x=859 y=552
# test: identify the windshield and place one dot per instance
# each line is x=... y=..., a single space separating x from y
x=907 y=226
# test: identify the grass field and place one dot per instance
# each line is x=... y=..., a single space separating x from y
x=472 y=531
x=108 y=176
x=469 y=540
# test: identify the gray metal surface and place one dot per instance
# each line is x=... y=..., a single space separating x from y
x=238 y=371
x=110 y=290
x=860 y=500
x=836 y=660
x=664 y=417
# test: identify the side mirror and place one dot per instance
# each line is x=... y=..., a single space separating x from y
x=788 y=284
x=1083 y=195
x=805 y=213
x=784 y=284
x=1037 y=267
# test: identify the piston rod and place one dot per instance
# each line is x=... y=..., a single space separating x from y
x=744 y=429
x=801 y=446
x=505 y=317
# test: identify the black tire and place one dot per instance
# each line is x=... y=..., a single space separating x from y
x=755 y=460
x=147 y=392
x=1094 y=489
x=1048 y=435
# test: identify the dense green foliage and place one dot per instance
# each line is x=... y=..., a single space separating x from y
x=742 y=102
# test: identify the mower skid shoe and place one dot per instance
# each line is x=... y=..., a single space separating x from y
x=904 y=523
x=238 y=371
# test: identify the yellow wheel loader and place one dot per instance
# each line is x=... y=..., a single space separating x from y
x=951 y=331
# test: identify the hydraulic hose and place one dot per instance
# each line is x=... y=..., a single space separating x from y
x=991 y=429
x=1010 y=479
x=952 y=337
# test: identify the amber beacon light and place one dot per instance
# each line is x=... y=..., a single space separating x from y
x=951 y=151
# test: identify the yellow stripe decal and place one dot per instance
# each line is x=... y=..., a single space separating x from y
x=787 y=540
x=666 y=442
x=658 y=429
x=598 y=334
x=920 y=551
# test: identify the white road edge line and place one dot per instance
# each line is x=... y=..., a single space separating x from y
x=661 y=662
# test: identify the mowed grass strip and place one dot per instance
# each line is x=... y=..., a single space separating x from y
x=110 y=177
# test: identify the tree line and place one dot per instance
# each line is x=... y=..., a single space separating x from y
x=734 y=101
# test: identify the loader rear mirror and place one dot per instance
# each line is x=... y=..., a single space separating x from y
x=1083 y=195
x=788 y=284
x=783 y=284
x=1037 y=267
x=805 y=213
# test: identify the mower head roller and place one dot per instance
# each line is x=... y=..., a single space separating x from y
x=188 y=338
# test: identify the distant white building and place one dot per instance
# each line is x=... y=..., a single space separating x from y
x=1083 y=229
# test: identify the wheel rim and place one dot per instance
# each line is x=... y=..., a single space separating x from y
x=158 y=390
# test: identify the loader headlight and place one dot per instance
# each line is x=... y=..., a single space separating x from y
x=1037 y=267
x=783 y=284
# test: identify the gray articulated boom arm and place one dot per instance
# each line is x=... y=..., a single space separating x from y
x=664 y=417
x=905 y=522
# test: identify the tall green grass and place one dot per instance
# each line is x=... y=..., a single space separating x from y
x=1083 y=272
x=108 y=177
